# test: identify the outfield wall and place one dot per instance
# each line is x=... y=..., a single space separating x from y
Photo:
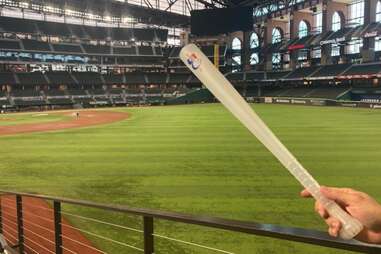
x=314 y=102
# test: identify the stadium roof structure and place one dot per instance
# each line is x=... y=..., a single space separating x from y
x=142 y=11
x=169 y=13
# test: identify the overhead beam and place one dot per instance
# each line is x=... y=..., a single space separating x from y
x=210 y=5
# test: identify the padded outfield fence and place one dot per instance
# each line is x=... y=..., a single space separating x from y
x=16 y=230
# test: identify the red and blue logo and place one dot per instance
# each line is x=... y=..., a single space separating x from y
x=193 y=61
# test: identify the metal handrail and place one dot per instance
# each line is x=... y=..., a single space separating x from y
x=308 y=236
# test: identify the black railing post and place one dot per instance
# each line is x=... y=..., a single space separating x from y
x=1 y=215
x=148 y=235
x=57 y=227
x=20 y=226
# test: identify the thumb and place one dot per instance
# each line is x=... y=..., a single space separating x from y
x=342 y=196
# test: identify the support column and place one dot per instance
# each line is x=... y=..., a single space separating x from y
x=367 y=51
x=325 y=49
x=267 y=56
x=293 y=35
x=246 y=52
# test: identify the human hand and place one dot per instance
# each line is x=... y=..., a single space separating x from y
x=359 y=205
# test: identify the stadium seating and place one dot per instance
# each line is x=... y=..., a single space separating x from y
x=133 y=91
x=327 y=93
x=125 y=50
x=194 y=96
x=60 y=78
x=156 y=78
x=255 y=75
x=302 y=72
x=274 y=75
x=36 y=45
x=84 y=100
x=88 y=78
x=67 y=48
x=273 y=91
x=367 y=69
x=145 y=50
x=158 y=51
x=77 y=92
x=154 y=91
x=28 y=26
x=25 y=93
x=17 y=25
x=251 y=91
x=141 y=34
x=208 y=50
x=112 y=79
x=32 y=78
x=116 y=91
x=78 y=31
x=178 y=78
x=4 y=101
x=59 y=101
x=9 y=44
x=29 y=102
x=331 y=70
x=97 y=92
x=304 y=92
x=161 y=34
x=53 y=28
x=7 y=78
x=55 y=93
x=174 y=52
x=135 y=78
x=193 y=79
x=96 y=49
x=296 y=92
x=235 y=76
x=122 y=34
x=98 y=33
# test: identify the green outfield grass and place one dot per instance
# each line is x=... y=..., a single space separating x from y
x=198 y=159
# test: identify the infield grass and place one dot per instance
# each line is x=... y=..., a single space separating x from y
x=198 y=159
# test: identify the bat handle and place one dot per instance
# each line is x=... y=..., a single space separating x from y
x=350 y=225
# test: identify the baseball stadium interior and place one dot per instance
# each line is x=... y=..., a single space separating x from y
x=63 y=54
x=77 y=62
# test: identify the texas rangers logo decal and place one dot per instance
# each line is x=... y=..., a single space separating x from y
x=193 y=61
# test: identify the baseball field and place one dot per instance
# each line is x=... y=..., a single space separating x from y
x=196 y=159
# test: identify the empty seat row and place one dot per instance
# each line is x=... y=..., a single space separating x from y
x=91 y=78
x=35 y=45
x=28 y=26
x=207 y=50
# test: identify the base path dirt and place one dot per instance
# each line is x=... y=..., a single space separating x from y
x=38 y=228
x=86 y=118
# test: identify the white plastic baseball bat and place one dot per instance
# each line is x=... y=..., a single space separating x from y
x=209 y=75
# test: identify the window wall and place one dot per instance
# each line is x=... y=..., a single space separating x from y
x=354 y=46
x=303 y=29
x=276 y=59
x=356 y=13
x=254 y=43
x=336 y=22
x=318 y=17
x=377 y=43
x=356 y=18
x=276 y=35
x=236 y=55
